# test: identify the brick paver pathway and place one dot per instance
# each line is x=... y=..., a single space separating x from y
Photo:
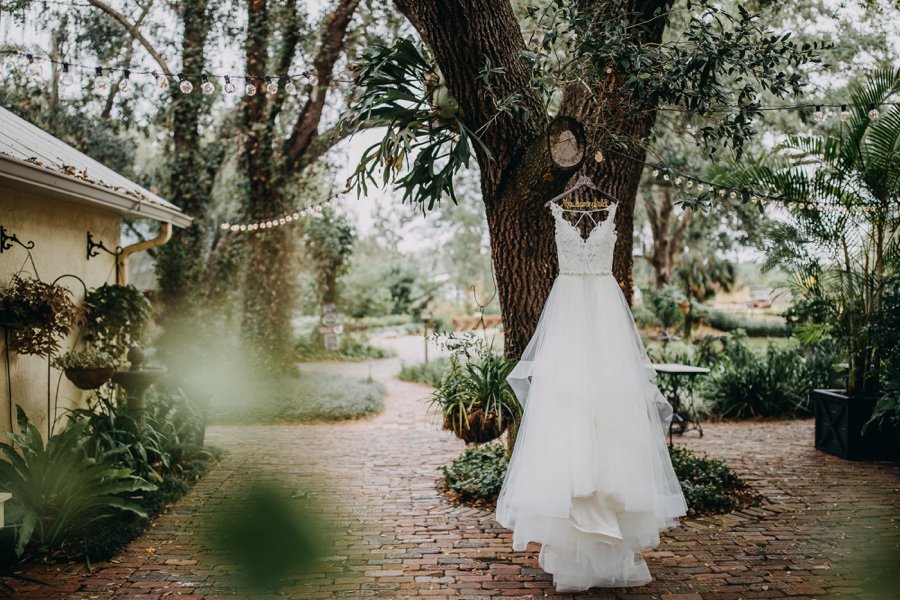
x=398 y=537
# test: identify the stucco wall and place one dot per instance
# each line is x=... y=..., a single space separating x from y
x=59 y=231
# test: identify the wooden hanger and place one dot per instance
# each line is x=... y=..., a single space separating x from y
x=585 y=182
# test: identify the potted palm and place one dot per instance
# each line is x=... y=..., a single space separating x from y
x=474 y=397
x=844 y=260
x=87 y=369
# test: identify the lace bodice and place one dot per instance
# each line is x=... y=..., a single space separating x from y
x=584 y=256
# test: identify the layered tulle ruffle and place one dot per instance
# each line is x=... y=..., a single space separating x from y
x=590 y=476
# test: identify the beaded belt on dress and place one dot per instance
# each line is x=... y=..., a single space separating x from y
x=585 y=273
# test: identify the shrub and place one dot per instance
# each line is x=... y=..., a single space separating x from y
x=664 y=304
x=308 y=397
x=644 y=317
x=430 y=373
x=775 y=383
x=477 y=474
x=37 y=314
x=709 y=485
x=59 y=490
x=753 y=327
x=309 y=349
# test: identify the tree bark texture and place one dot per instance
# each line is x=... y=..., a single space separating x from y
x=179 y=262
x=519 y=177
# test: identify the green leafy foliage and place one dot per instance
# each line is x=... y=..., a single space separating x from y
x=59 y=490
x=477 y=474
x=401 y=90
x=841 y=262
x=117 y=316
x=37 y=314
x=84 y=359
x=308 y=349
x=664 y=303
x=753 y=327
x=776 y=383
x=710 y=486
x=474 y=397
x=431 y=373
x=310 y=397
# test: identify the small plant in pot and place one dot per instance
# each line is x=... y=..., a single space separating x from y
x=117 y=316
x=87 y=369
x=37 y=314
x=474 y=397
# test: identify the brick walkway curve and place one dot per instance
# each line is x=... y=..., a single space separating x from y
x=398 y=537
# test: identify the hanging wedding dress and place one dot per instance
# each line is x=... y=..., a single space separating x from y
x=590 y=476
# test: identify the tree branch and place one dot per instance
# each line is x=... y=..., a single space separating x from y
x=330 y=46
x=135 y=33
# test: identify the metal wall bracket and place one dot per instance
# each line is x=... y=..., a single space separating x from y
x=94 y=248
x=7 y=240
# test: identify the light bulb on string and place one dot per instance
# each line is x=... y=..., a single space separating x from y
x=101 y=81
x=67 y=79
x=689 y=184
x=125 y=84
x=250 y=88
x=35 y=68
x=207 y=86
x=845 y=114
x=162 y=82
x=229 y=86
x=732 y=195
x=819 y=116
x=666 y=177
x=289 y=86
x=873 y=113
x=311 y=78
x=678 y=180
x=721 y=193
x=271 y=86
x=656 y=172
x=185 y=84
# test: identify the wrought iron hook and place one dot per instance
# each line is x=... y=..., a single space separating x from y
x=6 y=241
x=93 y=248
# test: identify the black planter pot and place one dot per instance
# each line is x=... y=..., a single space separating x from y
x=839 y=422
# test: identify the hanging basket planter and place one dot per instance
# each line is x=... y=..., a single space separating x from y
x=89 y=378
x=476 y=426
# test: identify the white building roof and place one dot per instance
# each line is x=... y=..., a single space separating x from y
x=32 y=158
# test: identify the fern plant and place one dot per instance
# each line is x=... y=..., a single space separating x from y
x=843 y=260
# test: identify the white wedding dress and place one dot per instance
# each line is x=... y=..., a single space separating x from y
x=590 y=476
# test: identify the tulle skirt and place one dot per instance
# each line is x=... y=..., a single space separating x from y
x=590 y=476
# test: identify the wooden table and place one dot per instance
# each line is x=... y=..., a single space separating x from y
x=685 y=416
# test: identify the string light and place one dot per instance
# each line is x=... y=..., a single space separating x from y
x=271 y=86
x=873 y=113
x=819 y=116
x=162 y=82
x=185 y=84
x=67 y=79
x=34 y=67
x=229 y=87
x=845 y=114
x=250 y=88
x=289 y=86
x=101 y=81
x=207 y=86
x=279 y=221
x=125 y=85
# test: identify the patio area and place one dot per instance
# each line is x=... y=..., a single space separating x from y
x=821 y=531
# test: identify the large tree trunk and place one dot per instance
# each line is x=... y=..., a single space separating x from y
x=179 y=262
x=519 y=178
